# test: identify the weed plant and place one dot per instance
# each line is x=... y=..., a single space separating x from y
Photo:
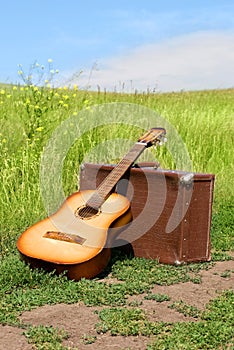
x=48 y=338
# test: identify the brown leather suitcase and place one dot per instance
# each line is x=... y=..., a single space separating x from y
x=171 y=211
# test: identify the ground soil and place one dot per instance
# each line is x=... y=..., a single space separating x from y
x=79 y=320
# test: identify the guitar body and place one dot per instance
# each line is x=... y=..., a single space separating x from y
x=72 y=241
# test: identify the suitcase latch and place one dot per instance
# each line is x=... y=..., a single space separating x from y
x=187 y=179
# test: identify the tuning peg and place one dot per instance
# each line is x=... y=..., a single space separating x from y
x=162 y=141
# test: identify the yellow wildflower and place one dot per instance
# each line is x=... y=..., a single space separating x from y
x=50 y=60
x=2 y=92
x=40 y=128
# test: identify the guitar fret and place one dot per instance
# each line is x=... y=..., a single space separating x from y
x=105 y=188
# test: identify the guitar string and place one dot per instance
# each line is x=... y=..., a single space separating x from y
x=113 y=177
x=110 y=182
x=117 y=173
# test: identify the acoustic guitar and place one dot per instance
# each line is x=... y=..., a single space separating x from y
x=76 y=238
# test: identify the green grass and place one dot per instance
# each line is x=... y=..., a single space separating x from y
x=24 y=289
x=28 y=117
x=121 y=321
x=186 y=310
x=46 y=338
x=157 y=297
x=214 y=330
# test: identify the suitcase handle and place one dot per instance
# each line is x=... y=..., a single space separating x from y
x=154 y=165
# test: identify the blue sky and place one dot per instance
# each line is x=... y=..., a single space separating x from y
x=163 y=45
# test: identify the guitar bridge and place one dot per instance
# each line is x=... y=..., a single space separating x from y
x=66 y=237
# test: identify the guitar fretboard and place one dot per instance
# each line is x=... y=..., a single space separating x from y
x=105 y=188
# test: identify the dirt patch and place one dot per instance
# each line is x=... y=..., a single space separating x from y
x=79 y=320
x=197 y=295
x=12 y=338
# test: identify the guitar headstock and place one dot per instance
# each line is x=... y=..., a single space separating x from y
x=153 y=137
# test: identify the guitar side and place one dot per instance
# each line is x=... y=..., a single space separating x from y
x=66 y=242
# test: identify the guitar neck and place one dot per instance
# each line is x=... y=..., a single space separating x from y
x=104 y=189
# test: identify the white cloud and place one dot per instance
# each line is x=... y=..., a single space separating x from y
x=202 y=60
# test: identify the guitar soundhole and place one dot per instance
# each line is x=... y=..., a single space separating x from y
x=86 y=212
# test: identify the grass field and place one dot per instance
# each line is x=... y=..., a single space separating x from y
x=28 y=117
